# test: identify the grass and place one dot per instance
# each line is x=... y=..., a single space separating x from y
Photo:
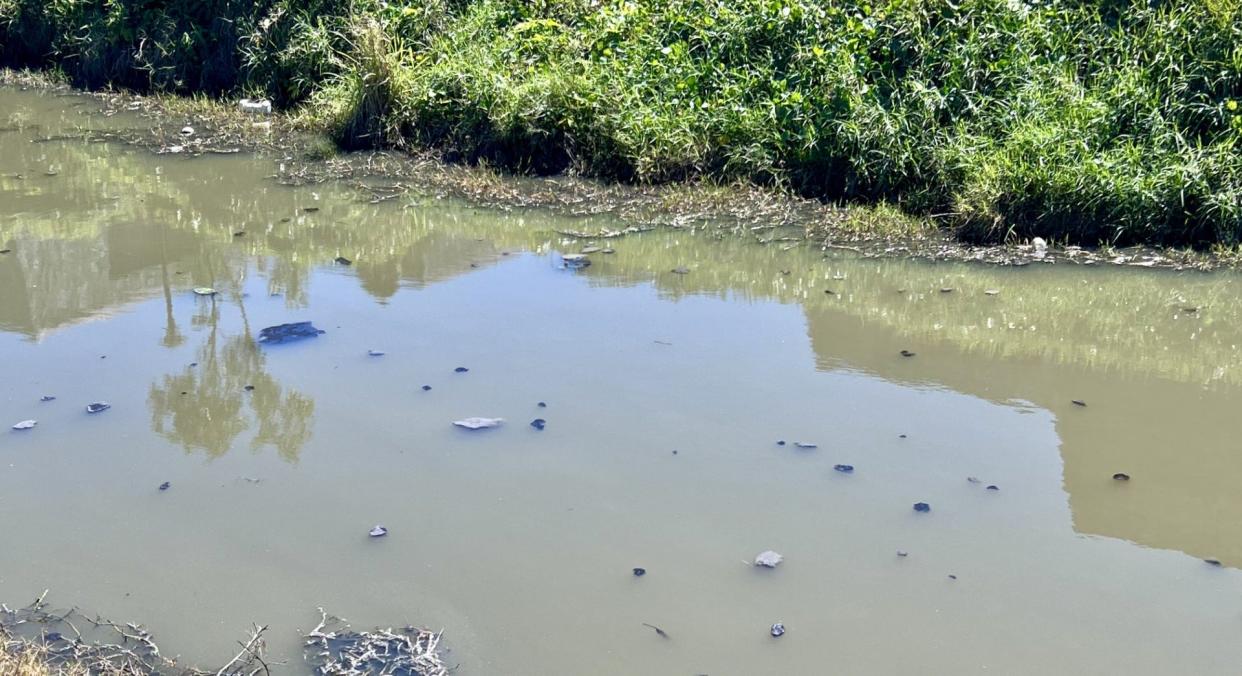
x=32 y=661
x=1085 y=121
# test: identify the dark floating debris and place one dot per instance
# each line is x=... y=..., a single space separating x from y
x=334 y=648
x=973 y=479
x=659 y=632
x=376 y=353
x=946 y=289
x=426 y=388
x=952 y=576
x=674 y=451
x=378 y=532
x=47 y=397
x=922 y=507
x=804 y=444
x=639 y=572
x=249 y=388
x=993 y=487
x=901 y=436
x=284 y=333
x=575 y=261
x=1213 y=562
x=341 y=260
x=830 y=292
x=310 y=210
x=902 y=553
x=240 y=233
x=165 y=486
x=844 y=469
x=680 y=270
x=781 y=442
x=778 y=630
x=539 y=423
x=542 y=404
x=460 y=369
x=98 y=407
x=4 y=251
x=1078 y=402
x=907 y=353
x=1121 y=476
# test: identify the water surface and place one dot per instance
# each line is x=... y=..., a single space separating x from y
x=666 y=396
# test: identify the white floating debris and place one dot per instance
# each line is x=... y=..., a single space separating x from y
x=804 y=444
x=478 y=423
x=379 y=532
x=768 y=559
x=204 y=291
x=25 y=424
x=187 y=131
x=255 y=106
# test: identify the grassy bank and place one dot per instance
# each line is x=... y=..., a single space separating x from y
x=1073 y=120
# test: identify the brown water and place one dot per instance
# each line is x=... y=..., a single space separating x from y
x=519 y=543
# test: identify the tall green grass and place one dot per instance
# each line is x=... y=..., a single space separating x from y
x=1086 y=121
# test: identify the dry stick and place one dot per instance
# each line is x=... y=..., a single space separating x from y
x=245 y=650
x=659 y=631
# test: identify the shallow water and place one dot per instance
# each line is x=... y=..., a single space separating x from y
x=520 y=543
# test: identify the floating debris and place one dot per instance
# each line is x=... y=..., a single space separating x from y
x=993 y=487
x=284 y=333
x=804 y=444
x=830 y=292
x=461 y=369
x=768 y=559
x=973 y=479
x=902 y=553
x=310 y=210
x=952 y=576
x=204 y=291
x=778 y=630
x=426 y=388
x=659 y=632
x=341 y=260
x=922 y=507
x=26 y=425
x=946 y=289
x=992 y=292
x=781 y=442
x=187 y=131
x=165 y=486
x=378 y=532
x=639 y=572
x=608 y=250
x=589 y=250
x=4 y=251
x=98 y=407
x=907 y=353
x=240 y=233
x=48 y=397
x=1213 y=562
x=542 y=404
x=255 y=106
x=844 y=469
x=478 y=423
x=901 y=436
x=539 y=423
x=376 y=353
x=681 y=271
x=1121 y=476
x=249 y=388
x=1078 y=402
x=339 y=650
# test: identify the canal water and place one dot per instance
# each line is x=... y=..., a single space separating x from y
x=666 y=398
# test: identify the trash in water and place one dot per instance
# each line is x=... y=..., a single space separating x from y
x=375 y=353
x=310 y=210
x=781 y=442
x=187 y=131
x=542 y=404
x=538 y=423
x=26 y=425
x=426 y=388
x=460 y=369
x=204 y=291
x=98 y=407
x=240 y=233
x=768 y=559
x=993 y=487
x=47 y=397
x=778 y=630
x=249 y=388
x=165 y=486
x=478 y=423
x=341 y=260
x=846 y=469
x=1078 y=402
x=992 y=292
x=952 y=576
x=639 y=572
x=590 y=250
x=902 y=553
x=575 y=261
x=922 y=507
x=283 y=333
x=4 y=251
x=255 y=106
x=659 y=632
x=378 y=532
x=946 y=289
x=1213 y=562
x=907 y=353
x=803 y=444
x=1121 y=476
x=973 y=480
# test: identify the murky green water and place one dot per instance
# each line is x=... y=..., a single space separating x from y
x=520 y=543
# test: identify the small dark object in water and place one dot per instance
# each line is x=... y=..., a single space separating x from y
x=804 y=444
x=952 y=576
x=249 y=388
x=993 y=487
x=310 y=210
x=674 y=451
x=1121 y=476
x=844 y=469
x=658 y=631
x=781 y=442
x=47 y=397
x=902 y=553
x=1213 y=562
x=98 y=407
x=1078 y=402
x=378 y=532
x=341 y=260
x=922 y=507
x=4 y=251
x=375 y=353
x=240 y=233
x=907 y=353
x=542 y=404
x=785 y=272
x=681 y=271
x=193 y=364
x=901 y=436
x=946 y=289
x=103 y=356
x=52 y=637
x=972 y=479
x=165 y=486
x=639 y=572
x=460 y=369
x=778 y=630
x=538 y=423
x=284 y=333
x=426 y=388
x=1190 y=310
x=830 y=292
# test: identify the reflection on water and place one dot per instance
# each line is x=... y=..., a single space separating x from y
x=754 y=343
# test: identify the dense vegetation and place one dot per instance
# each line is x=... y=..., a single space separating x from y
x=1083 y=120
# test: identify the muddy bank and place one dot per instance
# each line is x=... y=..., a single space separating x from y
x=195 y=127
